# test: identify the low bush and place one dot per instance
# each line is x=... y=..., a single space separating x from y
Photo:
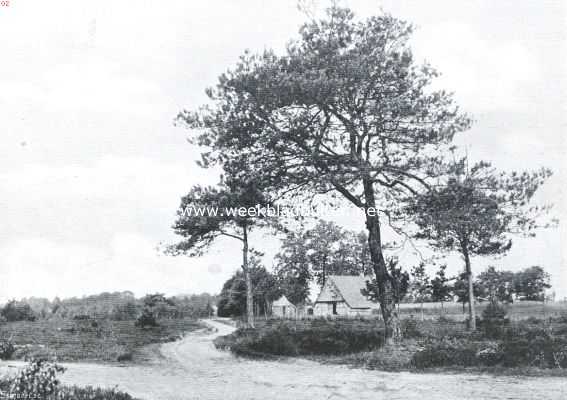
x=309 y=338
x=446 y=352
x=38 y=380
x=146 y=319
x=17 y=311
x=490 y=354
x=494 y=320
x=534 y=347
x=410 y=328
x=531 y=320
x=71 y=340
x=32 y=351
x=7 y=349
x=561 y=319
x=515 y=346
x=90 y=393
x=495 y=312
x=443 y=328
x=127 y=356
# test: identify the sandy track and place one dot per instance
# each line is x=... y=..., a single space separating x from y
x=193 y=369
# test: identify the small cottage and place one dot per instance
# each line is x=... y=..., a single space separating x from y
x=283 y=308
x=342 y=295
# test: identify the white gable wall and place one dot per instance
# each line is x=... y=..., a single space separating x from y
x=329 y=295
x=326 y=309
x=284 y=311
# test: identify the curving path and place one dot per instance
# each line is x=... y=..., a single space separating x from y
x=193 y=369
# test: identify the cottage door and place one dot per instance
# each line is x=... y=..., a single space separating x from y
x=334 y=308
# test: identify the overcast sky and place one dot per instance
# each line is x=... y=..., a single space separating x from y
x=92 y=168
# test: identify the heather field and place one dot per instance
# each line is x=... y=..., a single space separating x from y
x=91 y=340
x=515 y=311
x=193 y=369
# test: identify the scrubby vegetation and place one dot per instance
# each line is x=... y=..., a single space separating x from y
x=499 y=345
x=17 y=311
x=6 y=349
x=89 y=339
x=540 y=345
x=117 y=306
x=39 y=380
x=103 y=327
x=308 y=337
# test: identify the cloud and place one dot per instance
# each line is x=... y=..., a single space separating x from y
x=486 y=74
x=43 y=268
x=214 y=269
x=92 y=88
x=90 y=202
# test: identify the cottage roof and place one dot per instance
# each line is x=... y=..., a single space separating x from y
x=283 y=301
x=349 y=288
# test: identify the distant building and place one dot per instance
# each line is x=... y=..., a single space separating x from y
x=283 y=308
x=341 y=295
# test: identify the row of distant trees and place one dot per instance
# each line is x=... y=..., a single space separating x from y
x=114 y=306
x=266 y=289
x=308 y=257
x=347 y=114
x=490 y=285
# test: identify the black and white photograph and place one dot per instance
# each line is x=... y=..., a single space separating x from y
x=283 y=200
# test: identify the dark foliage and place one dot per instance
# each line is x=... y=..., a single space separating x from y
x=308 y=338
x=444 y=352
x=7 y=349
x=410 y=328
x=265 y=289
x=399 y=279
x=440 y=288
x=530 y=283
x=147 y=319
x=534 y=346
x=90 y=393
x=39 y=380
x=345 y=107
x=78 y=341
x=518 y=346
x=128 y=356
x=117 y=306
x=493 y=320
x=17 y=311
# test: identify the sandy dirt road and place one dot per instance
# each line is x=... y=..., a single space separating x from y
x=193 y=369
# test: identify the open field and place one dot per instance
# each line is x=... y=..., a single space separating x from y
x=91 y=340
x=530 y=346
x=192 y=369
x=515 y=311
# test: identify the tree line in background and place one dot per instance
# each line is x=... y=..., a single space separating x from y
x=308 y=256
x=119 y=306
x=346 y=113
x=491 y=285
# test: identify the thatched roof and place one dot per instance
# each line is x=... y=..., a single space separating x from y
x=282 y=302
x=349 y=288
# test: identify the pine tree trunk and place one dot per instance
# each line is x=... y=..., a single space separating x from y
x=472 y=312
x=386 y=296
x=248 y=279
